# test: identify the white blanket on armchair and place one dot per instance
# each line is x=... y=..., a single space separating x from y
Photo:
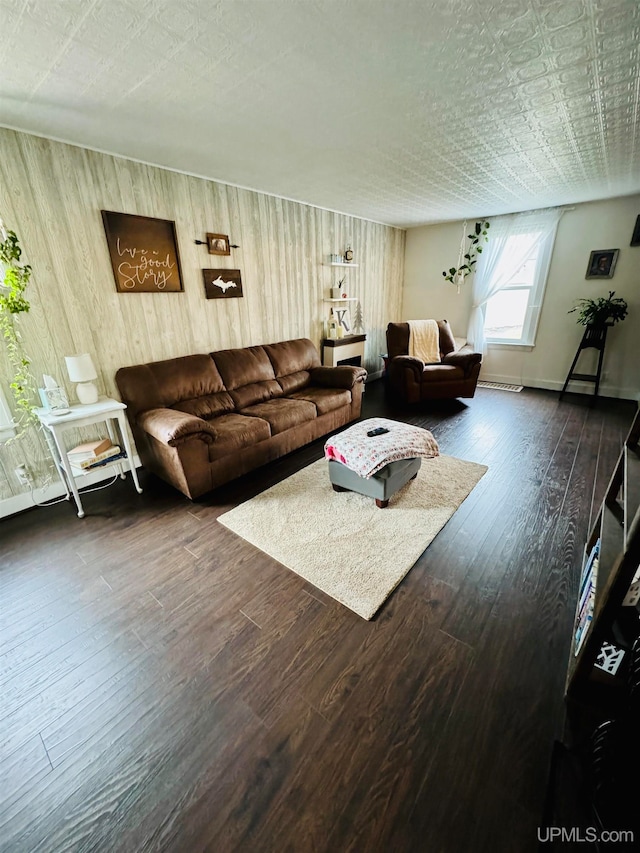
x=424 y=340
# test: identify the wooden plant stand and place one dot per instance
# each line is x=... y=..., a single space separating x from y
x=596 y=337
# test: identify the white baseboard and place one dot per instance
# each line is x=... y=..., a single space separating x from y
x=35 y=497
x=556 y=385
x=372 y=376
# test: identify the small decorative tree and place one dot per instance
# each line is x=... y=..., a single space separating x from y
x=13 y=302
x=358 y=319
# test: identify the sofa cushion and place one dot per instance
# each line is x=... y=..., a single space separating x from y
x=464 y=358
x=342 y=376
x=163 y=384
x=283 y=414
x=207 y=407
x=292 y=361
x=239 y=367
x=294 y=382
x=447 y=341
x=441 y=373
x=233 y=432
x=247 y=374
x=174 y=428
x=290 y=357
x=324 y=399
x=255 y=393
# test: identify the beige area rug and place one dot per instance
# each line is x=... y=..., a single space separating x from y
x=340 y=541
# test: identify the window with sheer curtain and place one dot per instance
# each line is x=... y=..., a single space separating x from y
x=511 y=277
x=512 y=314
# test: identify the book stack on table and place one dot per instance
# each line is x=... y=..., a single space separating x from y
x=94 y=454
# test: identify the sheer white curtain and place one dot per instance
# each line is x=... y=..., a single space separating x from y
x=496 y=268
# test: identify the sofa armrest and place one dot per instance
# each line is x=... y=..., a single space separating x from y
x=400 y=363
x=465 y=358
x=343 y=376
x=172 y=427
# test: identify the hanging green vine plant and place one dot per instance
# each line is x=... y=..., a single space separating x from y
x=467 y=260
x=13 y=302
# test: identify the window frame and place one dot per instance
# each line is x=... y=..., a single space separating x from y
x=535 y=301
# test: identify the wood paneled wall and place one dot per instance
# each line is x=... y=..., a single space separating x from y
x=52 y=195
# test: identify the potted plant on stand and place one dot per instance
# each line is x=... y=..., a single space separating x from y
x=600 y=312
x=597 y=315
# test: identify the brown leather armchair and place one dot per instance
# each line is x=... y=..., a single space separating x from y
x=411 y=381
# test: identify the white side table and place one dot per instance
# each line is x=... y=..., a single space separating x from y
x=105 y=411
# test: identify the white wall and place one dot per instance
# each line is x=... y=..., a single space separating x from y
x=596 y=225
x=430 y=250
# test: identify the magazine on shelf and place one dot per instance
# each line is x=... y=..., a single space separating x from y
x=586 y=606
x=587 y=583
x=585 y=621
x=589 y=587
x=583 y=633
x=586 y=573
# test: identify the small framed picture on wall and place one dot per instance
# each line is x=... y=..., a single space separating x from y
x=602 y=263
x=218 y=244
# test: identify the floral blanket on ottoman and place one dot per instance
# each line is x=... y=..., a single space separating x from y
x=368 y=454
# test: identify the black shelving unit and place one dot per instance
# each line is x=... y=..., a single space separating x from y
x=617 y=526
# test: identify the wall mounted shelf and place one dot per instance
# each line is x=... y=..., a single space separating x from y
x=342 y=299
x=335 y=264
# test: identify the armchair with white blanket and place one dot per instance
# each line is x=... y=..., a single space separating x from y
x=426 y=362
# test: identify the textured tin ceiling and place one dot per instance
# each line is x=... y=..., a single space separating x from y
x=398 y=111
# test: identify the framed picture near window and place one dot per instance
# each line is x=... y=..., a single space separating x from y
x=602 y=263
x=144 y=253
x=218 y=244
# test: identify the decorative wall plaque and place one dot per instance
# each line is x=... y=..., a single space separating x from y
x=144 y=253
x=222 y=284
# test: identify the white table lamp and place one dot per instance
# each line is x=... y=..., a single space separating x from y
x=81 y=370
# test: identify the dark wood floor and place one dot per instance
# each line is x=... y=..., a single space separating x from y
x=168 y=687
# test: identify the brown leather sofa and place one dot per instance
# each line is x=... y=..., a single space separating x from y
x=201 y=420
x=410 y=380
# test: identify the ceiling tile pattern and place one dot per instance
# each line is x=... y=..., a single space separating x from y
x=404 y=112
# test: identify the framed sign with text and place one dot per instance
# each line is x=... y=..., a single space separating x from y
x=144 y=253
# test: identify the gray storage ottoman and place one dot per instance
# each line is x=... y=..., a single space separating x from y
x=381 y=485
